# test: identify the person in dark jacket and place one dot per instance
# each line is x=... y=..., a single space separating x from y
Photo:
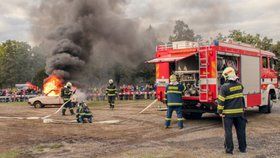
x=83 y=113
x=231 y=107
x=174 y=101
x=66 y=94
x=111 y=92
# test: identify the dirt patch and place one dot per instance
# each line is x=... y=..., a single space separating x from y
x=134 y=136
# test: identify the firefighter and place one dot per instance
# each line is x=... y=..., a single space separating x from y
x=111 y=93
x=231 y=106
x=66 y=94
x=173 y=95
x=83 y=113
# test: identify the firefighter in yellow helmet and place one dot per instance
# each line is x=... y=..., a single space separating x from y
x=173 y=95
x=231 y=106
x=66 y=94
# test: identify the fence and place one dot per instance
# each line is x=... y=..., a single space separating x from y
x=16 y=98
x=125 y=96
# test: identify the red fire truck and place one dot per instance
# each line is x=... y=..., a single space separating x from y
x=199 y=66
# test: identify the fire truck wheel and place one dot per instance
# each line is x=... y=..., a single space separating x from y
x=267 y=108
x=38 y=104
x=192 y=115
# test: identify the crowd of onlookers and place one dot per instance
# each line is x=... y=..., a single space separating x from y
x=14 y=94
x=124 y=92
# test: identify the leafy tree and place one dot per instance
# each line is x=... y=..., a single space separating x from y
x=145 y=73
x=182 y=32
x=39 y=78
x=264 y=43
x=18 y=63
x=276 y=50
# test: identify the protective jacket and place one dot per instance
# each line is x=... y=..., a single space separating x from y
x=174 y=93
x=111 y=90
x=83 y=111
x=66 y=93
x=231 y=99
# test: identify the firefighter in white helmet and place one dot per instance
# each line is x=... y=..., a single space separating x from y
x=111 y=92
x=231 y=108
x=66 y=94
x=83 y=113
x=173 y=95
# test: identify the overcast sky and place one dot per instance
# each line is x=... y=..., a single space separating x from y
x=207 y=18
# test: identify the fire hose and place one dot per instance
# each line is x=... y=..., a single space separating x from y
x=148 y=106
x=45 y=117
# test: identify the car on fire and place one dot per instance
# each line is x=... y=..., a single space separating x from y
x=45 y=100
x=51 y=94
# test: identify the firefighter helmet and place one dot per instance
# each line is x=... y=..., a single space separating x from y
x=69 y=84
x=173 y=78
x=229 y=74
x=111 y=81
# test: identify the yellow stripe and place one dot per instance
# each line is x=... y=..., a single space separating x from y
x=168 y=119
x=220 y=107
x=111 y=94
x=185 y=88
x=174 y=104
x=221 y=98
x=111 y=89
x=172 y=88
x=235 y=88
x=180 y=119
x=234 y=96
x=176 y=92
x=233 y=111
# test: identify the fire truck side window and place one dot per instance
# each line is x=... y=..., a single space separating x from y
x=264 y=62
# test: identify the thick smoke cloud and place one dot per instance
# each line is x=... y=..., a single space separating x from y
x=89 y=37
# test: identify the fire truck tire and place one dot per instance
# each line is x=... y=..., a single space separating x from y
x=267 y=108
x=192 y=115
x=38 y=104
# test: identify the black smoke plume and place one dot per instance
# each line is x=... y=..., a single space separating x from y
x=88 y=38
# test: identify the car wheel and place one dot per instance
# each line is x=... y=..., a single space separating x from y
x=38 y=104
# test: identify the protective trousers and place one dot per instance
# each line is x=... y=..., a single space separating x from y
x=239 y=123
x=111 y=101
x=170 y=110
x=68 y=105
x=82 y=118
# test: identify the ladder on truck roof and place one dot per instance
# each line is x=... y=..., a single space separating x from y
x=203 y=73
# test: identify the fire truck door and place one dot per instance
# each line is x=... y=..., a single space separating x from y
x=250 y=74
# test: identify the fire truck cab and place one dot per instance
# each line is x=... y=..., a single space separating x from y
x=199 y=67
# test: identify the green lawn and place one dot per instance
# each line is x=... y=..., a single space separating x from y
x=10 y=154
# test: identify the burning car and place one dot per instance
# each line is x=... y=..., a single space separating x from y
x=51 y=94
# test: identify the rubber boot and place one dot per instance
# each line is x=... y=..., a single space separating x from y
x=90 y=120
x=63 y=112
x=72 y=112
x=81 y=120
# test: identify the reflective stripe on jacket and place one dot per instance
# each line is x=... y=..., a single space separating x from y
x=174 y=94
x=231 y=99
x=111 y=90
x=83 y=111
x=66 y=93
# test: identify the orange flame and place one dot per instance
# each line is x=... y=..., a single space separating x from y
x=52 y=85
